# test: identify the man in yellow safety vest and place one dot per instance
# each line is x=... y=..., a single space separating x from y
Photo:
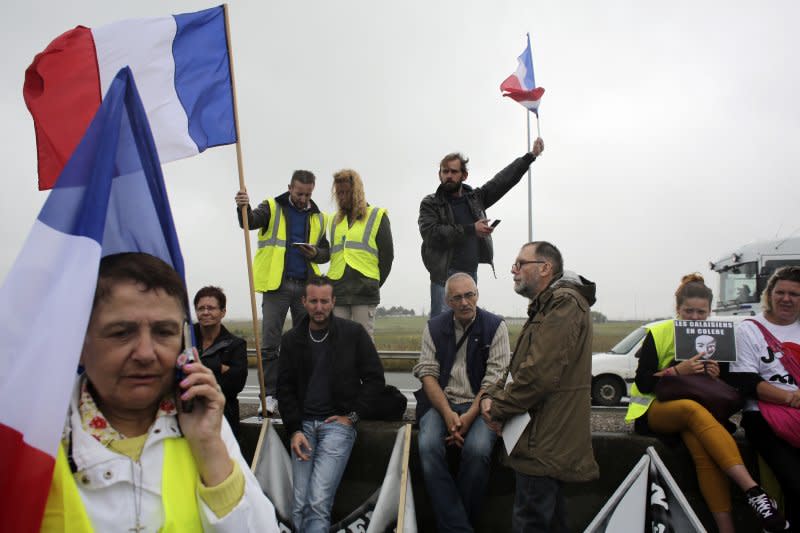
x=291 y=245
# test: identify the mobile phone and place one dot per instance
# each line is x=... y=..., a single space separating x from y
x=301 y=244
x=494 y=223
x=184 y=358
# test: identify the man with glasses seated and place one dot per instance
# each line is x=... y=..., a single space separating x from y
x=463 y=351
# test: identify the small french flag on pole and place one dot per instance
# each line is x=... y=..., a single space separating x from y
x=521 y=85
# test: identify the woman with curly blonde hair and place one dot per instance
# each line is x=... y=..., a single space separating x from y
x=362 y=250
x=713 y=450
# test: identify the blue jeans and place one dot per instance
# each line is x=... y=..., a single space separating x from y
x=316 y=480
x=538 y=505
x=437 y=293
x=456 y=502
x=274 y=305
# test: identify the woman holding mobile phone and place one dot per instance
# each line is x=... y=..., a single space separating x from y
x=130 y=459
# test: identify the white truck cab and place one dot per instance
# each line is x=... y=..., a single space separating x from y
x=743 y=274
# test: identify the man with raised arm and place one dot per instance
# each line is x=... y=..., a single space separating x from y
x=456 y=234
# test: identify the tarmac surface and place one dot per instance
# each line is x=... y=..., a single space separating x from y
x=604 y=419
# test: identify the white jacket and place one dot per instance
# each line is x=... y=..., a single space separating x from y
x=105 y=482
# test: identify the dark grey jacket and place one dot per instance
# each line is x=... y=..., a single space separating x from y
x=441 y=235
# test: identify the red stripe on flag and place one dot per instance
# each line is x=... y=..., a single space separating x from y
x=511 y=83
x=62 y=92
x=524 y=96
x=25 y=476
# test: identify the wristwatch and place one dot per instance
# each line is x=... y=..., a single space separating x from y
x=353 y=417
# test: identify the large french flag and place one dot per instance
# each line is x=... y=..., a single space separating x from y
x=521 y=85
x=182 y=70
x=110 y=198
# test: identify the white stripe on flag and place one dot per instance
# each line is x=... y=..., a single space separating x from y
x=146 y=46
x=52 y=284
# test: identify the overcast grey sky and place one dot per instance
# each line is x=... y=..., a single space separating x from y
x=670 y=130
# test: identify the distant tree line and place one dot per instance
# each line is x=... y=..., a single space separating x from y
x=395 y=310
x=598 y=317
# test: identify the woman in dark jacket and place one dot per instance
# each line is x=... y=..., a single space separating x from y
x=220 y=350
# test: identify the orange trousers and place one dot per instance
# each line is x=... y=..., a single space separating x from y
x=711 y=446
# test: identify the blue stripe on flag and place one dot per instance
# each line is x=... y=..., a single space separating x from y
x=526 y=58
x=112 y=189
x=202 y=76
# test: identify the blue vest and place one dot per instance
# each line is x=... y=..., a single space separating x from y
x=479 y=342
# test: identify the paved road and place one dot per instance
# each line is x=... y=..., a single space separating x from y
x=603 y=418
x=402 y=380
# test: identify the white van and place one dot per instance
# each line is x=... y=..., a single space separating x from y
x=613 y=371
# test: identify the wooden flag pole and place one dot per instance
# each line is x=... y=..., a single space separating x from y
x=262 y=436
x=401 y=507
x=245 y=221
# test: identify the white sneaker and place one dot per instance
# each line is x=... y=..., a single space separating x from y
x=272 y=406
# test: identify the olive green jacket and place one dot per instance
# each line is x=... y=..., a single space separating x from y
x=551 y=370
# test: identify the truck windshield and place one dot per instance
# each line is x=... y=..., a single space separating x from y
x=738 y=285
x=632 y=339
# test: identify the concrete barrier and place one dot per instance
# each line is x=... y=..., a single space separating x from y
x=616 y=453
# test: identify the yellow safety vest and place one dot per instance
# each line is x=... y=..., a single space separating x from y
x=664 y=337
x=270 y=257
x=355 y=245
x=66 y=513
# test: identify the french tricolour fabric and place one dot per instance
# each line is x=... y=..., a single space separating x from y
x=182 y=70
x=110 y=198
x=521 y=85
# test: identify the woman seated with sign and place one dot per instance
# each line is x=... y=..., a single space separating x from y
x=131 y=459
x=716 y=457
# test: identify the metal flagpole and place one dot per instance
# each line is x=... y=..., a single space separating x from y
x=530 y=185
x=245 y=221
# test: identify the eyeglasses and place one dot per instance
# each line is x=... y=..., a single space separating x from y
x=204 y=308
x=467 y=296
x=522 y=263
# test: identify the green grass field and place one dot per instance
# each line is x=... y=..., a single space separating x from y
x=404 y=333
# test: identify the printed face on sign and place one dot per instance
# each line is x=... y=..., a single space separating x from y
x=706 y=345
x=712 y=339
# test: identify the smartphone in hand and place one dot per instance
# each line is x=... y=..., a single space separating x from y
x=494 y=223
x=185 y=357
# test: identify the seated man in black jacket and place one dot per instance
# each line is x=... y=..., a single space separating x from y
x=328 y=371
x=220 y=350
